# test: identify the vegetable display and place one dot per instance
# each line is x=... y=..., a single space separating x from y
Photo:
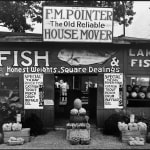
x=12 y=126
x=16 y=126
x=78 y=125
x=136 y=141
x=15 y=141
x=138 y=92
x=7 y=126
x=140 y=126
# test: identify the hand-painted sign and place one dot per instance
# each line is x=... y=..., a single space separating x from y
x=33 y=95
x=77 y=24
x=84 y=57
x=113 y=90
x=65 y=60
x=139 y=58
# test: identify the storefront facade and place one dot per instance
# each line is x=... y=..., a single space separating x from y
x=95 y=73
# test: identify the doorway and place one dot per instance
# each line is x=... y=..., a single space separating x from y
x=72 y=86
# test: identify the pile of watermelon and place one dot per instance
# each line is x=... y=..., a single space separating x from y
x=78 y=113
x=138 y=92
x=78 y=125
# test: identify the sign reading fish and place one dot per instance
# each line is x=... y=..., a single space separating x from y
x=84 y=57
x=77 y=24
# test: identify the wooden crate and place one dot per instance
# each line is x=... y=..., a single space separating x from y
x=125 y=135
x=82 y=133
x=24 y=133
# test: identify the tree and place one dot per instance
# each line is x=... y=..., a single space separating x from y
x=13 y=14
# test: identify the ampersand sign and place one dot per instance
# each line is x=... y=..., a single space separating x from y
x=114 y=62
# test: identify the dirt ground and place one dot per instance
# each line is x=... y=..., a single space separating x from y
x=57 y=140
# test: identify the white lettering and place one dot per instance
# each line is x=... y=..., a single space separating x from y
x=140 y=53
x=26 y=58
x=130 y=53
x=15 y=58
x=37 y=57
x=3 y=58
x=147 y=63
x=133 y=62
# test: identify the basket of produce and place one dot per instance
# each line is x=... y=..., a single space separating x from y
x=16 y=126
x=85 y=141
x=7 y=126
x=136 y=141
x=15 y=141
x=74 y=140
x=133 y=126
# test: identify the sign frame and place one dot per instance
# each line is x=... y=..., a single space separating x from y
x=81 y=40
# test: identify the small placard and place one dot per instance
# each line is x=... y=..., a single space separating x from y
x=48 y=102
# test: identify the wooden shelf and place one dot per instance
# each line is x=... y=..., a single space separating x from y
x=141 y=100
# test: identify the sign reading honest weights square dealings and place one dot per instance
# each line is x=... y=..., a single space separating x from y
x=77 y=24
x=113 y=83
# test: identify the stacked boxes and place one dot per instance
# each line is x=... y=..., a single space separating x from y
x=133 y=131
x=24 y=133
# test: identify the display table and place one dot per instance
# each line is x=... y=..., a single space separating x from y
x=24 y=133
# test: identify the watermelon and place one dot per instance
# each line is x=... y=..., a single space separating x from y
x=143 y=89
x=129 y=88
x=148 y=89
x=141 y=95
x=128 y=94
x=77 y=103
x=82 y=111
x=136 y=88
x=148 y=95
x=73 y=111
x=134 y=94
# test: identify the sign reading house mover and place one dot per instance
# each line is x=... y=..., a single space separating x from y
x=77 y=24
x=113 y=83
x=33 y=95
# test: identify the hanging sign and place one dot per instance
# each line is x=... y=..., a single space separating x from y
x=33 y=93
x=77 y=24
x=113 y=83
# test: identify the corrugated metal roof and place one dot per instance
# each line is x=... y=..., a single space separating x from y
x=33 y=37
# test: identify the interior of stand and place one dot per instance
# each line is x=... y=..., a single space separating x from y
x=83 y=86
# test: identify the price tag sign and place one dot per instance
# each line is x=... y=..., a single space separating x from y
x=113 y=83
x=48 y=102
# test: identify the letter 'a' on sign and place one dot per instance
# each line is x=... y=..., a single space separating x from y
x=77 y=24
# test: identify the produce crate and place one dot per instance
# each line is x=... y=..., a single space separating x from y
x=24 y=133
x=125 y=135
x=82 y=133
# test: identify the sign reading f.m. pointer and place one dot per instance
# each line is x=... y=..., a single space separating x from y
x=77 y=24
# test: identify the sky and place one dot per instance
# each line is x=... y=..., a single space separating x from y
x=139 y=28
